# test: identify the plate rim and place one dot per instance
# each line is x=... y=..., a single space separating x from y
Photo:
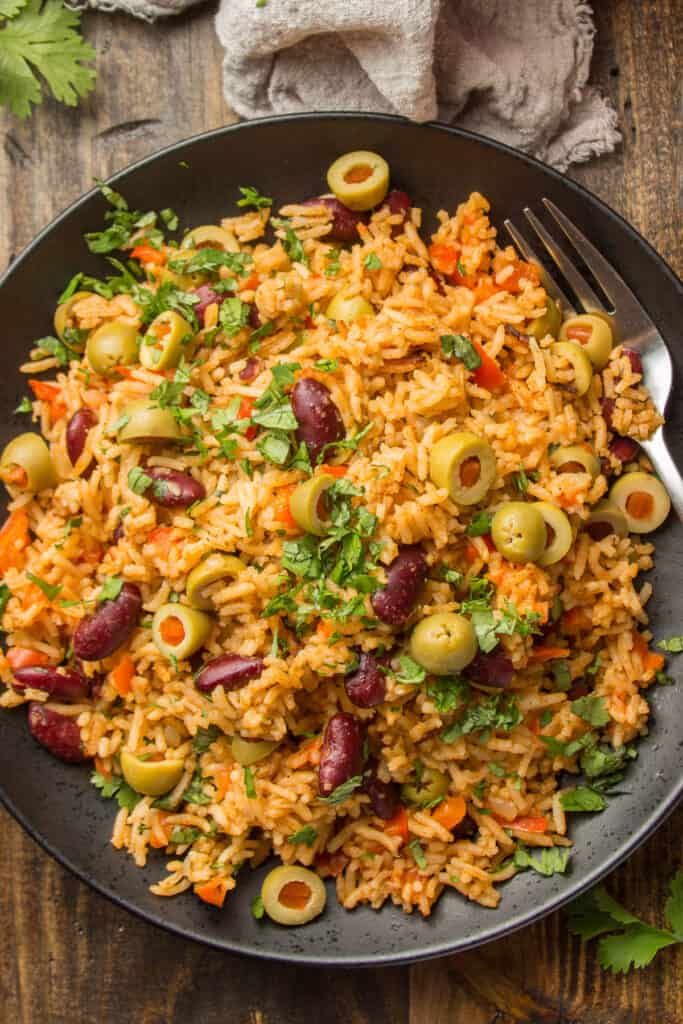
x=495 y=931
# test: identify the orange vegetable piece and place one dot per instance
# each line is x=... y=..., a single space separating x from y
x=337 y=471
x=398 y=825
x=14 y=538
x=575 y=620
x=283 y=513
x=148 y=254
x=172 y=631
x=25 y=657
x=51 y=394
x=325 y=629
x=444 y=257
x=489 y=375
x=162 y=537
x=122 y=675
x=213 y=891
x=450 y=812
x=530 y=824
x=652 y=661
x=244 y=413
x=251 y=283
x=541 y=654
x=221 y=778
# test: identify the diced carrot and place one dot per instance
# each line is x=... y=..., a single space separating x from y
x=575 y=620
x=450 y=812
x=148 y=254
x=162 y=537
x=485 y=289
x=51 y=394
x=530 y=824
x=251 y=283
x=213 y=891
x=14 y=538
x=444 y=257
x=283 y=513
x=25 y=657
x=337 y=471
x=398 y=825
x=521 y=269
x=533 y=724
x=489 y=375
x=471 y=552
x=244 y=413
x=325 y=629
x=654 y=662
x=650 y=659
x=540 y=654
x=122 y=675
x=221 y=779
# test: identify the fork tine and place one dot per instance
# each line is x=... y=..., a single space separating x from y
x=614 y=286
x=583 y=291
x=530 y=255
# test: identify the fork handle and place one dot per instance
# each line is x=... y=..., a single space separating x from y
x=667 y=470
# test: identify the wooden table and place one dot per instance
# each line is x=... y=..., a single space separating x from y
x=68 y=955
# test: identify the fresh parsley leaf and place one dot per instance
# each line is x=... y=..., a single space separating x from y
x=233 y=316
x=53 y=346
x=293 y=245
x=25 y=405
x=448 y=693
x=562 y=677
x=332 y=260
x=204 y=738
x=327 y=365
x=672 y=644
x=418 y=853
x=138 y=480
x=257 y=908
x=40 y=46
x=210 y=261
x=194 y=794
x=372 y=262
x=185 y=836
x=117 y=787
x=306 y=835
x=111 y=588
x=410 y=672
x=279 y=416
x=249 y=787
x=663 y=678
x=452 y=576
x=582 y=798
x=5 y=594
x=459 y=347
x=499 y=711
x=673 y=908
x=252 y=197
x=479 y=524
x=344 y=791
x=51 y=590
x=553 y=860
x=522 y=479
x=591 y=709
x=599 y=761
x=274 y=446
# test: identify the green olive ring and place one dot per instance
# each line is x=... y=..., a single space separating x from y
x=164 y=341
x=146 y=423
x=210 y=236
x=359 y=180
x=454 y=457
x=29 y=453
x=181 y=280
x=580 y=362
x=349 y=308
x=606 y=514
x=196 y=628
x=214 y=567
x=443 y=643
x=518 y=531
x=293 y=895
x=548 y=323
x=307 y=504
x=558 y=533
x=63 y=312
x=112 y=344
x=593 y=334
x=642 y=499
x=151 y=778
x=431 y=785
x=575 y=458
x=248 y=752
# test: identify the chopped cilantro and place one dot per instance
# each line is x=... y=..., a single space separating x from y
x=672 y=644
x=582 y=798
x=344 y=791
x=184 y=836
x=111 y=588
x=234 y=315
x=448 y=693
x=591 y=709
x=204 y=738
x=25 y=405
x=249 y=787
x=327 y=365
x=252 y=197
x=5 y=594
x=459 y=347
x=306 y=835
x=51 y=590
x=499 y=711
x=479 y=524
x=194 y=794
x=562 y=677
x=410 y=672
x=117 y=787
x=257 y=908
x=54 y=347
x=372 y=262
x=418 y=853
x=138 y=480
x=553 y=860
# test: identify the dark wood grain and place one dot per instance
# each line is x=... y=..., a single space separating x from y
x=69 y=955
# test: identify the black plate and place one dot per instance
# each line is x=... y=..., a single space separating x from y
x=287 y=158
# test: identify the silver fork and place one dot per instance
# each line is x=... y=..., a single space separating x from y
x=631 y=324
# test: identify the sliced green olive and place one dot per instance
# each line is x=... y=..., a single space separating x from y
x=518 y=531
x=642 y=499
x=574 y=458
x=359 y=180
x=216 y=566
x=430 y=786
x=26 y=464
x=605 y=519
x=581 y=364
x=292 y=895
x=349 y=308
x=179 y=631
x=152 y=778
x=62 y=318
x=465 y=465
x=166 y=338
x=248 y=752
x=443 y=643
x=173 y=271
x=112 y=344
x=548 y=323
x=558 y=533
x=146 y=423
x=210 y=236
x=307 y=504
x=593 y=334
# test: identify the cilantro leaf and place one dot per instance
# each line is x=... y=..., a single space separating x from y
x=234 y=315
x=53 y=346
x=111 y=588
x=410 y=672
x=343 y=792
x=252 y=197
x=204 y=738
x=249 y=787
x=582 y=798
x=194 y=794
x=562 y=677
x=673 y=908
x=185 y=836
x=306 y=835
x=208 y=260
x=117 y=787
x=279 y=416
x=138 y=480
x=372 y=262
x=553 y=860
x=479 y=524
x=41 y=39
x=293 y=245
x=25 y=405
x=448 y=693
x=591 y=709
x=5 y=594
x=634 y=947
x=257 y=908
x=496 y=712
x=672 y=644
x=459 y=347
x=49 y=589
x=418 y=853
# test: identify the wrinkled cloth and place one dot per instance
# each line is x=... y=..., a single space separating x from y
x=515 y=70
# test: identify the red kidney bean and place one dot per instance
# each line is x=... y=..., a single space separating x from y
x=251 y=369
x=578 y=689
x=344 y=227
x=118 y=532
x=77 y=430
x=57 y=733
x=341 y=754
x=320 y=421
x=231 y=671
x=383 y=795
x=64 y=683
x=255 y=320
x=493 y=669
x=172 y=489
x=406 y=575
x=607 y=408
x=467 y=828
x=634 y=359
x=366 y=686
x=398 y=201
x=100 y=634
x=624 y=448
x=207 y=297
